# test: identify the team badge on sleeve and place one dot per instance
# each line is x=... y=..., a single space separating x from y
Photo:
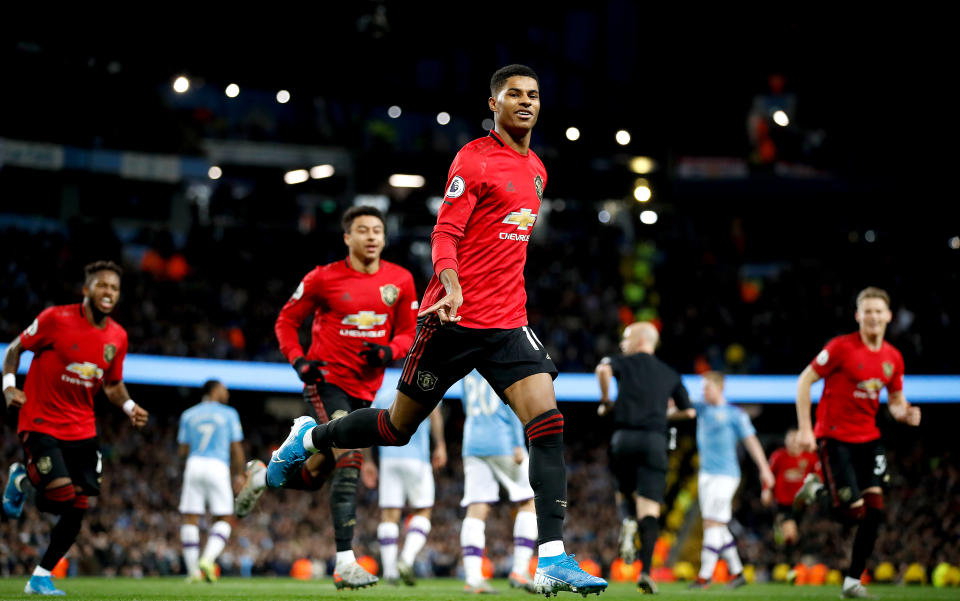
x=298 y=292
x=389 y=294
x=109 y=352
x=887 y=369
x=32 y=328
x=456 y=188
x=823 y=357
x=538 y=183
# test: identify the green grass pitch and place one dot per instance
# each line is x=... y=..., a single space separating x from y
x=285 y=589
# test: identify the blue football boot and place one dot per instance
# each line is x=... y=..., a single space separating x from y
x=12 y=496
x=42 y=585
x=566 y=575
x=291 y=454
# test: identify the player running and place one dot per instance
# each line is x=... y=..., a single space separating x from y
x=406 y=478
x=790 y=464
x=475 y=318
x=638 y=448
x=209 y=436
x=493 y=457
x=856 y=367
x=364 y=315
x=719 y=427
x=77 y=350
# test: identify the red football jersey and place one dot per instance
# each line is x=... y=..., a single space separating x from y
x=789 y=471
x=72 y=359
x=483 y=227
x=350 y=308
x=854 y=376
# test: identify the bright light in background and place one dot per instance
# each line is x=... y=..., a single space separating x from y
x=573 y=134
x=283 y=96
x=648 y=217
x=433 y=205
x=214 y=172
x=623 y=137
x=321 y=171
x=955 y=243
x=604 y=216
x=781 y=118
x=232 y=91
x=870 y=236
x=394 y=111
x=443 y=118
x=181 y=84
x=642 y=193
x=487 y=124
x=403 y=180
x=642 y=165
x=297 y=176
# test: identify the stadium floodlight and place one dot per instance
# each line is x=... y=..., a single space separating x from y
x=297 y=176
x=623 y=137
x=214 y=172
x=955 y=243
x=443 y=118
x=573 y=134
x=642 y=165
x=283 y=96
x=604 y=216
x=394 y=111
x=322 y=171
x=403 y=180
x=781 y=118
x=181 y=84
x=648 y=217
x=870 y=236
x=232 y=91
x=642 y=193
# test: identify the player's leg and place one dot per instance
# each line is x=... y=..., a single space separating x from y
x=472 y=543
x=388 y=533
x=524 y=539
x=220 y=500
x=623 y=462
x=190 y=540
x=420 y=492
x=714 y=527
x=871 y=467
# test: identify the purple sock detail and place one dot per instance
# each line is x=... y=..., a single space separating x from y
x=472 y=551
x=220 y=536
x=388 y=541
x=412 y=530
x=519 y=541
x=191 y=545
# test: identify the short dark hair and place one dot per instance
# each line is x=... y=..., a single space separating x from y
x=208 y=387
x=502 y=74
x=91 y=269
x=353 y=212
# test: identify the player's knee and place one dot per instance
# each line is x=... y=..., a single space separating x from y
x=545 y=430
x=58 y=499
x=873 y=500
x=853 y=515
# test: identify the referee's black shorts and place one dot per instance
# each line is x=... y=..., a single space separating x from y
x=443 y=354
x=638 y=460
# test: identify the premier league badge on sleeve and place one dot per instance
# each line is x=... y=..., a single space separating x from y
x=389 y=294
x=109 y=352
x=538 y=183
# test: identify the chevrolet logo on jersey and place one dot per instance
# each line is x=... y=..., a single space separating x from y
x=365 y=320
x=524 y=219
x=86 y=370
x=871 y=385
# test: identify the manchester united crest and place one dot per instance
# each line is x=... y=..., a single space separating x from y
x=887 y=369
x=389 y=294
x=426 y=380
x=538 y=183
x=44 y=464
x=109 y=352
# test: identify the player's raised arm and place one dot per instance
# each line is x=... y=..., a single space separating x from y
x=804 y=424
x=11 y=361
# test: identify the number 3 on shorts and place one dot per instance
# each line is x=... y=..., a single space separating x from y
x=880 y=465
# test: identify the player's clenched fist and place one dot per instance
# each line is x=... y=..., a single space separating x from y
x=138 y=417
x=376 y=355
x=14 y=397
x=309 y=371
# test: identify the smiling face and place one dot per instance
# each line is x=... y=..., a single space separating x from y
x=102 y=290
x=517 y=104
x=365 y=238
x=873 y=315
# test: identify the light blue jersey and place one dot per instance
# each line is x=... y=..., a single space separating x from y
x=491 y=426
x=719 y=428
x=419 y=445
x=209 y=427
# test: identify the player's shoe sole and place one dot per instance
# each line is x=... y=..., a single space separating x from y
x=291 y=454
x=12 y=497
x=628 y=540
x=566 y=575
x=247 y=499
x=353 y=576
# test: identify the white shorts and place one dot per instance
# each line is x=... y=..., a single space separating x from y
x=405 y=482
x=716 y=496
x=481 y=475
x=206 y=483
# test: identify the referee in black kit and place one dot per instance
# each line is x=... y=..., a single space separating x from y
x=638 y=448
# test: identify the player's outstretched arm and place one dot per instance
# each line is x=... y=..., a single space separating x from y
x=760 y=458
x=11 y=361
x=446 y=308
x=902 y=411
x=118 y=395
x=804 y=424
